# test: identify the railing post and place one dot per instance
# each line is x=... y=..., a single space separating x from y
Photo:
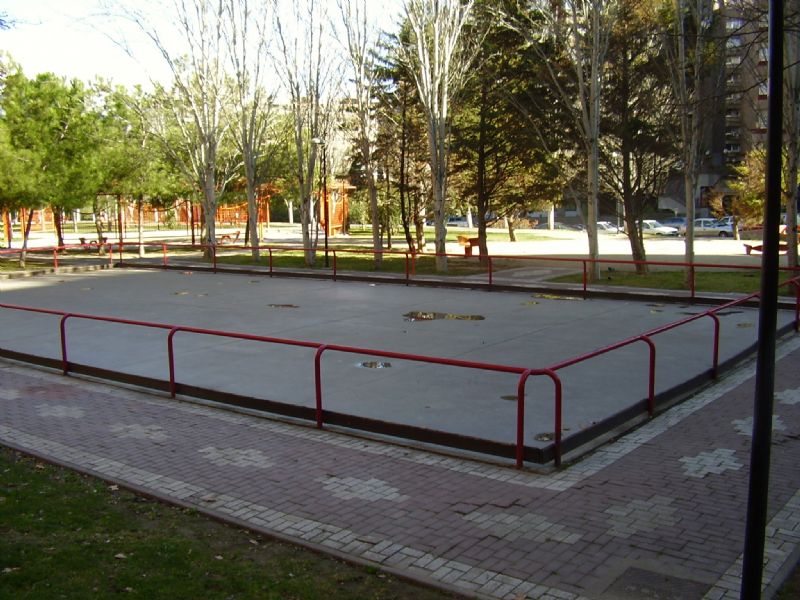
x=318 y=380
x=64 y=361
x=692 y=283
x=491 y=279
x=334 y=265
x=407 y=268
x=651 y=385
x=715 y=358
x=164 y=253
x=557 y=442
x=171 y=360
x=270 y=261
x=520 y=445
x=557 y=417
x=110 y=250
x=214 y=256
x=55 y=257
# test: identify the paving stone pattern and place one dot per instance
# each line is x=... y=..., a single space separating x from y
x=667 y=499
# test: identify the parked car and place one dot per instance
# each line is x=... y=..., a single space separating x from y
x=457 y=222
x=676 y=222
x=653 y=227
x=556 y=225
x=607 y=227
x=706 y=227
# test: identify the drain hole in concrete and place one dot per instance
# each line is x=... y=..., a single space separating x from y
x=373 y=364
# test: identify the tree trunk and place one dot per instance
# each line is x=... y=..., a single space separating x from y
x=419 y=222
x=59 y=225
x=140 y=225
x=9 y=230
x=405 y=217
x=26 y=234
x=374 y=216
x=252 y=217
x=512 y=236
x=438 y=153
x=483 y=194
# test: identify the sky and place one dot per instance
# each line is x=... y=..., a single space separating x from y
x=73 y=39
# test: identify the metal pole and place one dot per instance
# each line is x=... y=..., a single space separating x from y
x=758 y=493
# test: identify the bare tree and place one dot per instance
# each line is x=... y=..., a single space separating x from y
x=193 y=126
x=309 y=69
x=580 y=30
x=362 y=42
x=687 y=58
x=438 y=58
x=247 y=30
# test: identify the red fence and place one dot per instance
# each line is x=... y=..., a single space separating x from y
x=409 y=257
x=523 y=372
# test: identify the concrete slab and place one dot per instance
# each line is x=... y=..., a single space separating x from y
x=516 y=329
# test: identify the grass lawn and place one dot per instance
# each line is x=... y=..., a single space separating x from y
x=65 y=535
x=739 y=281
x=356 y=261
x=493 y=234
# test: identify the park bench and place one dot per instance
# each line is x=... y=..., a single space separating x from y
x=468 y=243
x=749 y=248
x=229 y=239
x=85 y=242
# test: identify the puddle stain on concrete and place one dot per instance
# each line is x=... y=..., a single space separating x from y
x=420 y=315
x=373 y=364
x=282 y=306
x=557 y=297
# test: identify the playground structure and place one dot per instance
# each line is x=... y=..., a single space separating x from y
x=121 y=218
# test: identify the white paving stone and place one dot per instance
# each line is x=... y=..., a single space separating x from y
x=745 y=426
x=154 y=433
x=530 y=526
x=789 y=397
x=60 y=411
x=237 y=457
x=641 y=515
x=351 y=488
x=707 y=463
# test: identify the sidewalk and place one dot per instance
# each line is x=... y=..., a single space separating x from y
x=658 y=513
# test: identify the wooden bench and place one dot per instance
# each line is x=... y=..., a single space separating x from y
x=749 y=248
x=84 y=242
x=228 y=239
x=468 y=243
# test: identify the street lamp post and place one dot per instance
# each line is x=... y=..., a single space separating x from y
x=321 y=142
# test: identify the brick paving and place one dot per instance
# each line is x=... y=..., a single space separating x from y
x=656 y=514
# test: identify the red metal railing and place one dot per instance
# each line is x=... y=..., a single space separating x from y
x=409 y=257
x=523 y=372
x=320 y=348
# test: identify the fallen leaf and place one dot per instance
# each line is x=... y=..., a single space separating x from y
x=10 y=569
x=120 y=556
x=113 y=488
x=218 y=557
